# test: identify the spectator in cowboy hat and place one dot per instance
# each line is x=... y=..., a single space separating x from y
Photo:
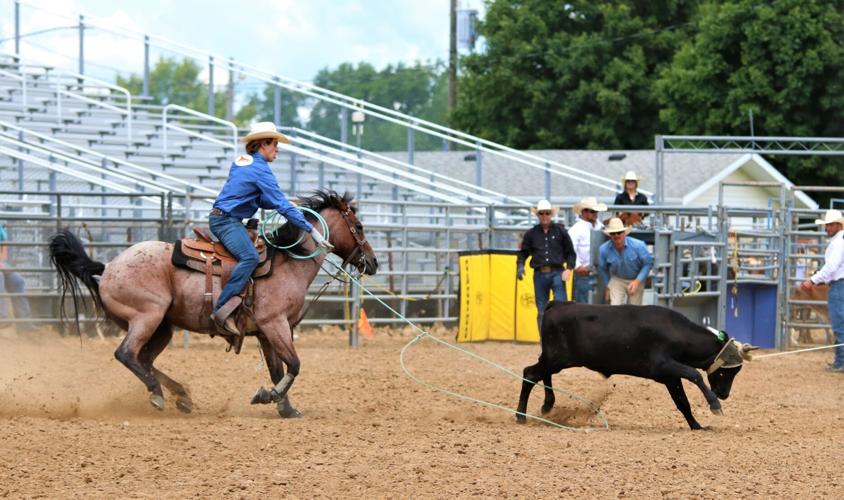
x=581 y=237
x=549 y=247
x=623 y=264
x=251 y=185
x=832 y=273
x=630 y=196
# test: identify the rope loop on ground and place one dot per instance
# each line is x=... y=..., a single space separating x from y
x=424 y=334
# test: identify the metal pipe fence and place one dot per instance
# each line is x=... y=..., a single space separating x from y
x=701 y=257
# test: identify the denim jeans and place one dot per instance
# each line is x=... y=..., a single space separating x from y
x=12 y=282
x=231 y=232
x=543 y=283
x=835 y=303
x=582 y=286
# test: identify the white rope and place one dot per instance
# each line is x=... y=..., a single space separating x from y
x=761 y=356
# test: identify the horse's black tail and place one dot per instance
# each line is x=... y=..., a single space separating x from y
x=71 y=261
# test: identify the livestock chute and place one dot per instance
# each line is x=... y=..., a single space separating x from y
x=494 y=305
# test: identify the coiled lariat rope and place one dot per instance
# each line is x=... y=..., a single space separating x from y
x=274 y=217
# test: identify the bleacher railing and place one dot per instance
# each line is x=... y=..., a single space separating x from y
x=345 y=103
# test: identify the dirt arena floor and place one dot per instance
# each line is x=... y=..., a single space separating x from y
x=76 y=423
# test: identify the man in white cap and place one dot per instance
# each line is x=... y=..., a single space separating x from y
x=549 y=247
x=251 y=185
x=624 y=264
x=832 y=273
x=581 y=237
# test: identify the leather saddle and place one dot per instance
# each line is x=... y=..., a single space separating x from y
x=203 y=254
x=197 y=253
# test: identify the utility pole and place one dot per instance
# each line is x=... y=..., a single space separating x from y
x=230 y=92
x=452 y=63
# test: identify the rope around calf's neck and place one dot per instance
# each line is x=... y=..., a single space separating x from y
x=423 y=334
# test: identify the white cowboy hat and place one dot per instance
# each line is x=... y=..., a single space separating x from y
x=589 y=203
x=830 y=217
x=631 y=176
x=264 y=130
x=616 y=226
x=542 y=206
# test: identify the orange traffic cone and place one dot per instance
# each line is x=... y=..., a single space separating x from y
x=363 y=323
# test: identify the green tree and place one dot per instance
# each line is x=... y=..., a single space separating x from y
x=177 y=82
x=417 y=90
x=574 y=74
x=261 y=107
x=783 y=60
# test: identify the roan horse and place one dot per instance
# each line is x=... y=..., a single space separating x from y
x=146 y=295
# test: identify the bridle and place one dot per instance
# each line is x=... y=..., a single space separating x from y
x=358 y=255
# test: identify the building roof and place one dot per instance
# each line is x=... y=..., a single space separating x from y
x=685 y=173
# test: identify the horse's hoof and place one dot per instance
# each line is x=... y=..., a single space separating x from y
x=289 y=412
x=717 y=411
x=157 y=401
x=184 y=405
x=262 y=397
x=520 y=419
x=546 y=408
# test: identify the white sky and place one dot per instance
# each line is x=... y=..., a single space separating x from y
x=291 y=38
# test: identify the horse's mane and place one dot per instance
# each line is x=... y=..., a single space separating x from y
x=321 y=199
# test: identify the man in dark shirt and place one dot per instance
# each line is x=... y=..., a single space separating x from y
x=549 y=246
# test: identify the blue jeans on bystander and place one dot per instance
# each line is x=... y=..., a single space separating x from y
x=543 y=284
x=231 y=232
x=582 y=286
x=835 y=303
x=12 y=282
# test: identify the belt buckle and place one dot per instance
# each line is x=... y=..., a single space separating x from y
x=545 y=269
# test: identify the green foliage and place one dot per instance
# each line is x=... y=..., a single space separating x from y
x=417 y=90
x=575 y=74
x=174 y=82
x=783 y=60
x=261 y=107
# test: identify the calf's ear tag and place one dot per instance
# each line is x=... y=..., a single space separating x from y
x=718 y=333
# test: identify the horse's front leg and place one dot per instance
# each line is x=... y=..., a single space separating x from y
x=276 y=332
x=276 y=369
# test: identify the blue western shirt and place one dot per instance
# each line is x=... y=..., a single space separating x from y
x=251 y=185
x=633 y=262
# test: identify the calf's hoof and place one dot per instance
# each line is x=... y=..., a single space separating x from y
x=157 y=401
x=520 y=419
x=717 y=411
x=546 y=408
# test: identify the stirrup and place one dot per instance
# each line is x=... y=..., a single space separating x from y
x=226 y=326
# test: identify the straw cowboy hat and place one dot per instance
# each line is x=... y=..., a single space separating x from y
x=589 y=203
x=542 y=206
x=616 y=226
x=831 y=217
x=631 y=176
x=264 y=130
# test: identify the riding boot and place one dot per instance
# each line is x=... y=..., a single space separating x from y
x=224 y=319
